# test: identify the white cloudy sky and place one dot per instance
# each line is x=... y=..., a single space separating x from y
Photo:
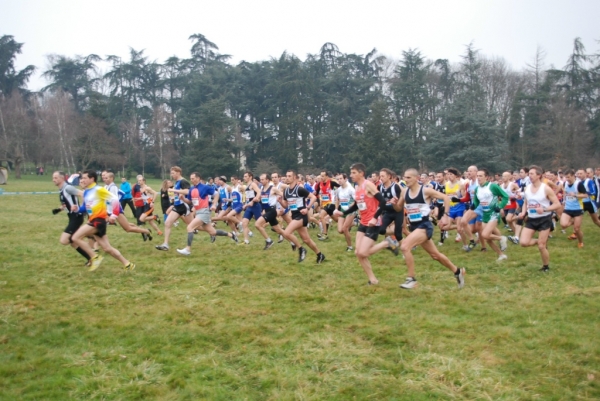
x=254 y=30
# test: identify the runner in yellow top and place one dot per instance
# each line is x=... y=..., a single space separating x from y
x=96 y=199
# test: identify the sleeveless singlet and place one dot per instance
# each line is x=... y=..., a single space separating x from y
x=417 y=210
x=366 y=204
x=535 y=200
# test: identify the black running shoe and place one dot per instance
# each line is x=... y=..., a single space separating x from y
x=149 y=235
x=301 y=254
x=545 y=269
x=268 y=245
x=213 y=238
x=144 y=237
x=320 y=258
x=293 y=247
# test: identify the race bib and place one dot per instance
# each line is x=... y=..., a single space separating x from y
x=485 y=206
x=531 y=208
x=264 y=200
x=361 y=205
x=344 y=204
x=571 y=198
x=195 y=202
x=415 y=217
x=325 y=198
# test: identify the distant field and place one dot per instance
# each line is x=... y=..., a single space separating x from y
x=234 y=322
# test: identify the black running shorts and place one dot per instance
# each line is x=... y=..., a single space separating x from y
x=539 y=224
x=75 y=221
x=99 y=225
x=370 y=232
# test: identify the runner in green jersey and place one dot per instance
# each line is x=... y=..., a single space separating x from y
x=492 y=199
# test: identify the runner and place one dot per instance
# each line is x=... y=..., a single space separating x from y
x=472 y=219
x=575 y=192
x=109 y=181
x=324 y=191
x=127 y=198
x=345 y=196
x=390 y=191
x=180 y=208
x=197 y=199
x=146 y=214
x=281 y=211
x=416 y=199
x=69 y=201
x=95 y=200
x=371 y=204
x=237 y=206
x=540 y=201
x=589 y=202
x=224 y=199
x=455 y=191
x=252 y=208
x=522 y=182
x=512 y=190
x=492 y=200
x=295 y=198
x=268 y=201
x=166 y=198
x=138 y=200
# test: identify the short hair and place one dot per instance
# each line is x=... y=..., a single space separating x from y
x=234 y=177
x=361 y=168
x=412 y=171
x=91 y=174
x=570 y=172
x=486 y=172
x=344 y=176
x=538 y=169
x=388 y=172
x=276 y=173
x=525 y=169
x=454 y=171
x=197 y=175
x=249 y=174
x=176 y=168
x=294 y=174
x=265 y=175
x=61 y=173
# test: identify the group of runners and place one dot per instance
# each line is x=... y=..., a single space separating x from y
x=403 y=209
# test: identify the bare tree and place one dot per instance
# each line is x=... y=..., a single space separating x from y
x=564 y=139
x=17 y=127
x=59 y=122
x=160 y=138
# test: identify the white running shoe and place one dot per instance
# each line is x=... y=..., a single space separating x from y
x=502 y=257
x=410 y=283
x=184 y=252
x=250 y=234
x=458 y=238
x=503 y=243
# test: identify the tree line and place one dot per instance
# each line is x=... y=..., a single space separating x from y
x=325 y=112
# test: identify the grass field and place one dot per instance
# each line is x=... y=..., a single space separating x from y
x=235 y=322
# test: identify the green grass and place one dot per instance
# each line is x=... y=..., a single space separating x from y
x=234 y=322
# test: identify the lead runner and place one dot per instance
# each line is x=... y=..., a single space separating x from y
x=416 y=199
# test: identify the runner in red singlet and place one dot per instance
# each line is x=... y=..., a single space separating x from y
x=371 y=204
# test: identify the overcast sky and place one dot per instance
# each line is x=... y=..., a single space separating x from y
x=254 y=30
